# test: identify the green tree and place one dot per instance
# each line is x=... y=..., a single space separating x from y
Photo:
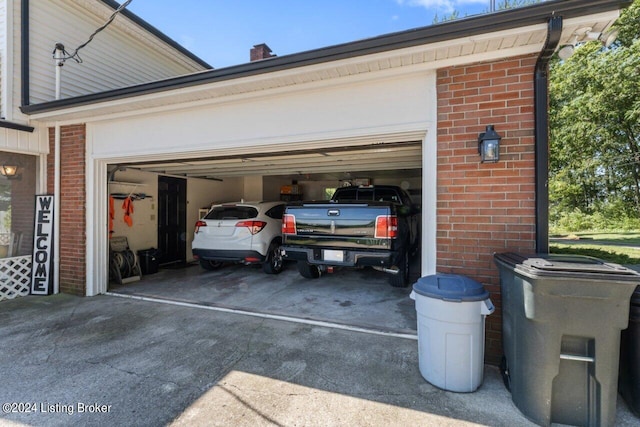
x=500 y=5
x=595 y=127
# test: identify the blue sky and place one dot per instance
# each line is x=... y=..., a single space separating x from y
x=222 y=32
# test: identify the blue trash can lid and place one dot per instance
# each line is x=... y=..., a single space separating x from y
x=450 y=287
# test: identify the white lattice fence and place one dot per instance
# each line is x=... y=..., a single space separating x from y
x=15 y=277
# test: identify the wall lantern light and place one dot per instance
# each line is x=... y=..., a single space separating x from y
x=489 y=145
x=10 y=171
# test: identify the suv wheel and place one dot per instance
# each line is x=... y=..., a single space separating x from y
x=274 y=263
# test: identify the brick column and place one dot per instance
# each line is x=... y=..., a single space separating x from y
x=485 y=208
x=72 y=206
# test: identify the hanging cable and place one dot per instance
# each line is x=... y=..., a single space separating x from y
x=75 y=56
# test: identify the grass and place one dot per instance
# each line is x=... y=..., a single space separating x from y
x=621 y=248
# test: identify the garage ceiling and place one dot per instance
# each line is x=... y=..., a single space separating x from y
x=376 y=160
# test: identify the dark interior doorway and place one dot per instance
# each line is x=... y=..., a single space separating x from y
x=172 y=220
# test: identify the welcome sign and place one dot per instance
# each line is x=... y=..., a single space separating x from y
x=42 y=246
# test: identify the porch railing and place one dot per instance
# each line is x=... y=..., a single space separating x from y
x=15 y=277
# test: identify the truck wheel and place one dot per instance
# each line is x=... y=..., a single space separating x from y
x=308 y=271
x=210 y=265
x=401 y=279
x=273 y=264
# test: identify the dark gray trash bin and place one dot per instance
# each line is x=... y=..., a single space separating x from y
x=629 y=378
x=148 y=261
x=561 y=322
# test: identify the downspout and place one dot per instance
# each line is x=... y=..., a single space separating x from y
x=58 y=54
x=541 y=89
x=58 y=210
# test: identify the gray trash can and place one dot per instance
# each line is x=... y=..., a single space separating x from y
x=451 y=312
x=561 y=322
x=148 y=261
x=629 y=377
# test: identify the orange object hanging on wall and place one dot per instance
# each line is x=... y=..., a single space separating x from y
x=127 y=205
x=112 y=215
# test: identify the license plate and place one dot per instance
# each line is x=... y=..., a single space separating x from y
x=329 y=255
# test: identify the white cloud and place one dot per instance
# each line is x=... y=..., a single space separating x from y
x=446 y=6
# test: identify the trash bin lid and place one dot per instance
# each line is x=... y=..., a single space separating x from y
x=564 y=265
x=450 y=287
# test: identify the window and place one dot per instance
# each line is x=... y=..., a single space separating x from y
x=232 y=212
x=328 y=192
x=276 y=212
x=17 y=195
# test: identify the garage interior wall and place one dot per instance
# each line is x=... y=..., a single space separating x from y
x=143 y=234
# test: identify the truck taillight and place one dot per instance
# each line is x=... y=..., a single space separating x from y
x=200 y=224
x=386 y=227
x=254 y=226
x=289 y=224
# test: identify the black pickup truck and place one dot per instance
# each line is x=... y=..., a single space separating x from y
x=375 y=226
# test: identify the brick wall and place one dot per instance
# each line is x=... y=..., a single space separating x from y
x=72 y=209
x=485 y=208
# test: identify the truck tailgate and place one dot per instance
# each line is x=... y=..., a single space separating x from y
x=350 y=226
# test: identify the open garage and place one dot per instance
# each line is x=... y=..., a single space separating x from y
x=292 y=176
x=356 y=298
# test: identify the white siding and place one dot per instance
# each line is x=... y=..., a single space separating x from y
x=114 y=59
x=3 y=57
x=13 y=42
x=23 y=142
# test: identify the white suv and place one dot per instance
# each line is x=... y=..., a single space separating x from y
x=244 y=232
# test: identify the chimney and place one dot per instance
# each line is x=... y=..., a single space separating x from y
x=260 y=51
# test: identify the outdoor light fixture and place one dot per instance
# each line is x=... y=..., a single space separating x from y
x=585 y=34
x=606 y=39
x=489 y=145
x=566 y=51
x=10 y=171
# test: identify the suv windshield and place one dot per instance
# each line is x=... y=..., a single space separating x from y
x=232 y=212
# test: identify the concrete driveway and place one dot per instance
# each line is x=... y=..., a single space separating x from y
x=109 y=360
